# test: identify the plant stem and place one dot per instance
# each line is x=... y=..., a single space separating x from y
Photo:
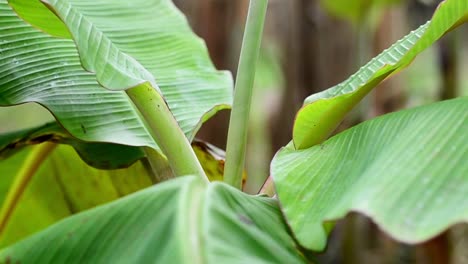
x=268 y=187
x=30 y=166
x=237 y=134
x=165 y=130
x=448 y=65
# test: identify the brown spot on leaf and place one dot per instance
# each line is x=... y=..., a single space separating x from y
x=245 y=220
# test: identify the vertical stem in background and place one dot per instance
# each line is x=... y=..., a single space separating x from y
x=30 y=166
x=448 y=59
x=165 y=131
x=363 y=51
x=237 y=134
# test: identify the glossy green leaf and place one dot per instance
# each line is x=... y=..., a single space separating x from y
x=179 y=221
x=322 y=112
x=105 y=155
x=96 y=154
x=37 y=14
x=62 y=186
x=98 y=29
x=405 y=170
x=35 y=67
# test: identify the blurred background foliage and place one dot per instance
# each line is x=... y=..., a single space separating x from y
x=308 y=46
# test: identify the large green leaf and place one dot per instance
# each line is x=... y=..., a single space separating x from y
x=35 y=67
x=62 y=186
x=406 y=170
x=180 y=221
x=322 y=112
x=41 y=17
x=97 y=154
x=106 y=155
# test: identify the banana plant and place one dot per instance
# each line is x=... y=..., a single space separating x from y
x=118 y=177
